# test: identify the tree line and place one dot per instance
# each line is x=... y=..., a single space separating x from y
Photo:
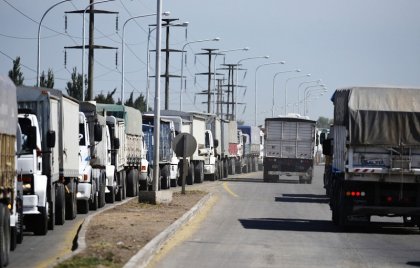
x=74 y=87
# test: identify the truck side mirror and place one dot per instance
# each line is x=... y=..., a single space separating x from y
x=51 y=139
x=216 y=143
x=116 y=143
x=31 y=143
x=97 y=129
x=326 y=147
x=322 y=137
x=317 y=139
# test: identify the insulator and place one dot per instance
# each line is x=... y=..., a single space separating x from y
x=65 y=58
x=186 y=33
x=185 y=59
x=116 y=24
x=244 y=75
x=195 y=80
x=185 y=84
x=195 y=59
x=195 y=99
x=116 y=59
x=65 y=23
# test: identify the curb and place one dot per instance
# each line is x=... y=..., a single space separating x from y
x=145 y=254
x=80 y=238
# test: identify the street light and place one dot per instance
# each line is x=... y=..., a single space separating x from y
x=38 y=65
x=182 y=64
x=83 y=45
x=185 y=24
x=255 y=84
x=237 y=70
x=298 y=90
x=214 y=71
x=167 y=13
x=307 y=91
x=285 y=89
x=274 y=77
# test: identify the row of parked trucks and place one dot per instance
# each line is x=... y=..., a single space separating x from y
x=51 y=170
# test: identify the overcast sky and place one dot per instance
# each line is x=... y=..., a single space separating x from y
x=343 y=42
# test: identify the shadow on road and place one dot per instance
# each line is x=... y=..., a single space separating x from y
x=414 y=263
x=303 y=198
x=305 y=225
x=244 y=180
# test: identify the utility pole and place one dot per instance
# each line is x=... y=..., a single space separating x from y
x=91 y=46
x=232 y=90
x=167 y=24
x=210 y=52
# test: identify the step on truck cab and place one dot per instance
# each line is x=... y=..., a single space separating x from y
x=375 y=154
x=289 y=148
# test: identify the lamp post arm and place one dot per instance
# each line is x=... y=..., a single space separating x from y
x=38 y=66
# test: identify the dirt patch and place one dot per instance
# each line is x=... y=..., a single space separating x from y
x=117 y=234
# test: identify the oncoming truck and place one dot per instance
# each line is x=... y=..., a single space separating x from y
x=375 y=153
x=289 y=148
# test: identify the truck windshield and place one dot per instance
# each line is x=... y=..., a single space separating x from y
x=207 y=140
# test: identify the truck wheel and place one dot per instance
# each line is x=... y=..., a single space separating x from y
x=191 y=174
x=131 y=184
x=71 y=200
x=60 y=204
x=19 y=223
x=164 y=178
x=110 y=197
x=199 y=173
x=121 y=186
x=13 y=238
x=82 y=206
x=101 y=194
x=41 y=223
x=225 y=169
x=51 y=211
x=124 y=188
x=93 y=201
x=4 y=235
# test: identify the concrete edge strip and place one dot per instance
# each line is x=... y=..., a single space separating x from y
x=81 y=235
x=145 y=254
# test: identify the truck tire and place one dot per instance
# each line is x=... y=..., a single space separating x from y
x=19 y=222
x=93 y=202
x=121 y=186
x=124 y=188
x=101 y=194
x=131 y=183
x=71 y=200
x=41 y=223
x=110 y=197
x=191 y=174
x=164 y=177
x=82 y=206
x=225 y=169
x=60 y=204
x=231 y=166
x=199 y=173
x=51 y=216
x=4 y=235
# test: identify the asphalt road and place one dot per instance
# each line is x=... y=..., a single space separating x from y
x=256 y=224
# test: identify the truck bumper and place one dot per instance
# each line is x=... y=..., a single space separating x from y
x=386 y=211
x=84 y=191
x=209 y=169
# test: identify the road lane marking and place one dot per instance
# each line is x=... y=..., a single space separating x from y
x=225 y=185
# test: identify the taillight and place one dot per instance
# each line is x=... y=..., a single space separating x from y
x=355 y=194
x=38 y=152
x=85 y=177
x=143 y=168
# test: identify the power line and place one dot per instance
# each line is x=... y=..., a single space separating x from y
x=28 y=38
